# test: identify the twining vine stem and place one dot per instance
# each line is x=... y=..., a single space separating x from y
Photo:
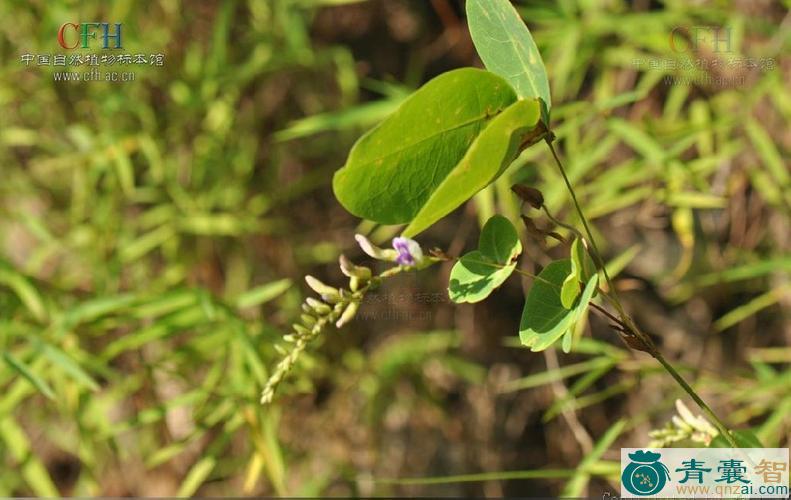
x=633 y=336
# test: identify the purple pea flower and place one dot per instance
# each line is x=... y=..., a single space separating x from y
x=409 y=251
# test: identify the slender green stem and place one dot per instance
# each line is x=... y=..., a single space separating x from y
x=497 y=265
x=694 y=395
x=561 y=223
x=626 y=321
x=597 y=254
x=605 y=312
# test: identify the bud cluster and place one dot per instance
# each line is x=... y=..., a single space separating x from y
x=339 y=306
x=683 y=427
x=335 y=306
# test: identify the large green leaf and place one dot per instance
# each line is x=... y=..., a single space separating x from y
x=544 y=319
x=392 y=170
x=495 y=148
x=507 y=48
x=479 y=272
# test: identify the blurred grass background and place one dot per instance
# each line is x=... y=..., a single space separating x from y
x=153 y=237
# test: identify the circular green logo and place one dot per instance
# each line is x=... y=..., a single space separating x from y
x=645 y=475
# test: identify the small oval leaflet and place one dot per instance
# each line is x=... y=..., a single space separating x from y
x=544 y=319
x=507 y=48
x=478 y=273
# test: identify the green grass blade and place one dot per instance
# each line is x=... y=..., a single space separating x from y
x=21 y=368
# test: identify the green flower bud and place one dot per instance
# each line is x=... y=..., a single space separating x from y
x=353 y=271
x=374 y=251
x=681 y=424
x=300 y=330
x=348 y=314
x=331 y=298
x=317 y=306
x=320 y=287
